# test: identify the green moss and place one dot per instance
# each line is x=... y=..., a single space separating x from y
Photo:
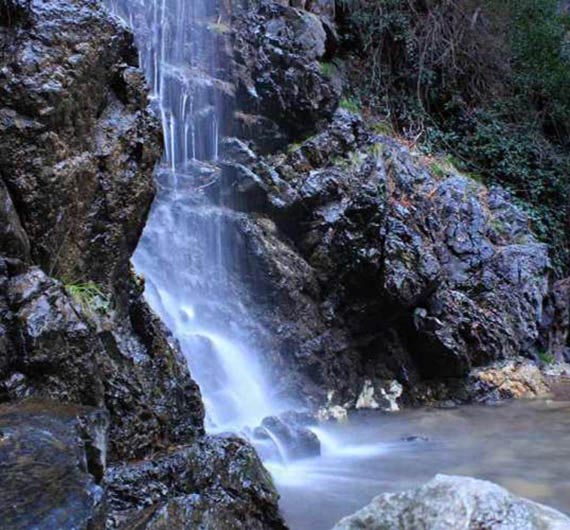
x=546 y=357
x=443 y=166
x=328 y=69
x=351 y=105
x=383 y=128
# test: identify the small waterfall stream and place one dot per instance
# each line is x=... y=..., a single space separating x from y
x=184 y=254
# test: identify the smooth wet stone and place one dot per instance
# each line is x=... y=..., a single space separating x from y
x=291 y=433
x=451 y=503
x=52 y=458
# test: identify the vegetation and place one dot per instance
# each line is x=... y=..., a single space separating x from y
x=546 y=358
x=351 y=105
x=90 y=297
x=328 y=69
x=483 y=80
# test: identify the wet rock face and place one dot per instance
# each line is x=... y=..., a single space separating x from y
x=77 y=145
x=215 y=483
x=281 y=93
x=77 y=153
x=448 y=502
x=287 y=436
x=52 y=458
x=407 y=275
x=50 y=348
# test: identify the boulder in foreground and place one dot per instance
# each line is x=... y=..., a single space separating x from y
x=451 y=502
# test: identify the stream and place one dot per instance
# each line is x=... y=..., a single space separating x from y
x=523 y=446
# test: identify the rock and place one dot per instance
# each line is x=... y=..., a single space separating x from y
x=290 y=431
x=78 y=147
x=507 y=380
x=59 y=352
x=381 y=395
x=448 y=503
x=52 y=459
x=77 y=143
x=215 y=483
x=13 y=239
x=407 y=276
x=415 y=438
x=279 y=82
x=556 y=321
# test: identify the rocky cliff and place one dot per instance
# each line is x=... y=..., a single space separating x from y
x=78 y=147
x=376 y=277
x=380 y=276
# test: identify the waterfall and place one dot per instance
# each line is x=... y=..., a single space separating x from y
x=185 y=255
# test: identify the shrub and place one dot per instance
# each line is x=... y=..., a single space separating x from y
x=483 y=80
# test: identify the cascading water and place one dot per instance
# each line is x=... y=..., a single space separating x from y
x=185 y=254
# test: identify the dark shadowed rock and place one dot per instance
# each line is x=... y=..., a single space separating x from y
x=53 y=349
x=52 y=458
x=413 y=276
x=13 y=239
x=281 y=92
x=78 y=148
x=77 y=144
x=449 y=503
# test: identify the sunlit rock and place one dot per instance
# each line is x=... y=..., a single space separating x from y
x=449 y=503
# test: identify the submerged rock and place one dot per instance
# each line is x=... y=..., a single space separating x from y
x=52 y=459
x=449 y=503
x=291 y=435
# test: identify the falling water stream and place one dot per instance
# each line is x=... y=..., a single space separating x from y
x=186 y=257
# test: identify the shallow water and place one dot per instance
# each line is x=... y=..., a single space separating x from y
x=523 y=446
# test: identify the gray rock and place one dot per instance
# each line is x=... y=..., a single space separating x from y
x=449 y=503
x=77 y=143
x=293 y=434
x=281 y=93
x=52 y=458
x=406 y=275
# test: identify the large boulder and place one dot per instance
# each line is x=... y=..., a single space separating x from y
x=77 y=143
x=449 y=503
x=216 y=483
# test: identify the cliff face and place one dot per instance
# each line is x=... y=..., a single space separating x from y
x=379 y=273
x=78 y=148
